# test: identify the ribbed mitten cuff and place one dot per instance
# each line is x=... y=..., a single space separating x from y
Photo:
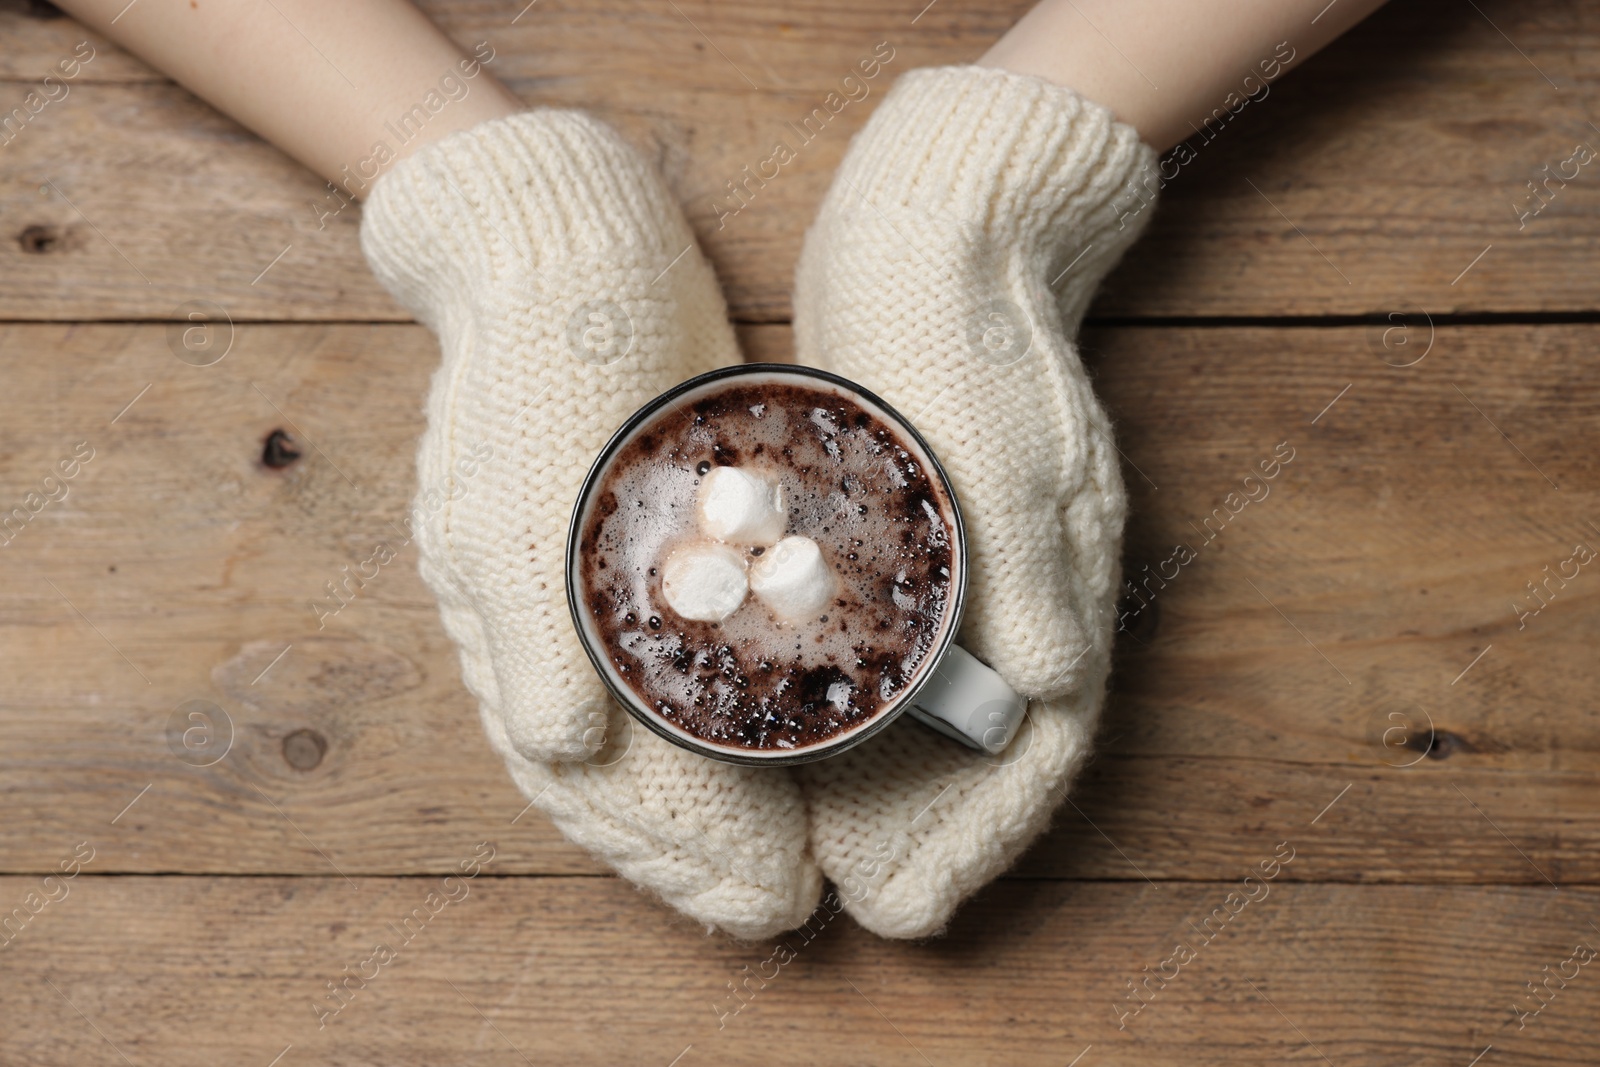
x=508 y=200
x=1029 y=165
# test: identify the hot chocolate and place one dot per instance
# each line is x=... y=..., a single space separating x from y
x=768 y=565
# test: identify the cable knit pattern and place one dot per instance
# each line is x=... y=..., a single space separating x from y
x=948 y=270
x=567 y=290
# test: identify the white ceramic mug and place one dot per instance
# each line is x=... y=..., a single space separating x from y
x=951 y=690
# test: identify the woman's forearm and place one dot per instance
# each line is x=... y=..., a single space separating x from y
x=1163 y=66
x=328 y=83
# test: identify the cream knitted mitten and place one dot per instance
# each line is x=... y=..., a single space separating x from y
x=566 y=290
x=951 y=263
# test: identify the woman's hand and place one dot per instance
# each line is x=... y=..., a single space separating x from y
x=947 y=271
x=567 y=290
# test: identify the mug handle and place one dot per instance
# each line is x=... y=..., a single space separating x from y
x=969 y=702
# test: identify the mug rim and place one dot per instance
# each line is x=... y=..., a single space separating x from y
x=630 y=700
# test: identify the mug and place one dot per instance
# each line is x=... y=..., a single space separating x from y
x=952 y=691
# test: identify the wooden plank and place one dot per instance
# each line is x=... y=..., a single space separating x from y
x=1376 y=606
x=182 y=568
x=228 y=555
x=1380 y=173
x=578 y=971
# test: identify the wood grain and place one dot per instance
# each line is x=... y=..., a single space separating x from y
x=1260 y=683
x=1350 y=665
x=583 y=971
x=1369 y=181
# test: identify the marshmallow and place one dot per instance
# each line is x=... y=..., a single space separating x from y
x=703 y=581
x=793 y=580
x=741 y=508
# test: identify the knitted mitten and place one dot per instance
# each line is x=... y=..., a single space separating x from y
x=948 y=270
x=566 y=290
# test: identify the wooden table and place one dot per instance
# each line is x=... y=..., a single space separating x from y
x=1351 y=666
